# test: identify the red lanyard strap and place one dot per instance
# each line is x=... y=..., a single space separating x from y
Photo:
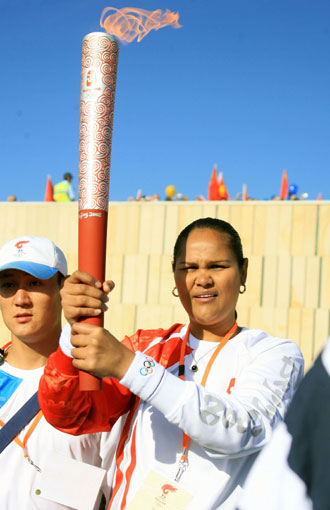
x=185 y=438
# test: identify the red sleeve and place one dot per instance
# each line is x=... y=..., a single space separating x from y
x=79 y=412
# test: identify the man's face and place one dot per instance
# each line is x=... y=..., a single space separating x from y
x=31 y=308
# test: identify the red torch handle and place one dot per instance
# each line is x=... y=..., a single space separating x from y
x=92 y=238
x=98 y=82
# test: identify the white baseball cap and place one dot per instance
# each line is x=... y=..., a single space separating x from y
x=37 y=256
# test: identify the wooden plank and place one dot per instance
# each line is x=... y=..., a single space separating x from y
x=270 y=278
x=60 y=223
x=262 y=318
x=123 y=228
x=312 y=280
x=294 y=324
x=307 y=335
x=151 y=231
x=281 y=320
x=114 y=271
x=322 y=330
x=242 y=219
x=323 y=247
x=132 y=227
x=258 y=244
x=116 y=235
x=324 y=283
x=283 y=290
x=304 y=218
x=284 y=229
x=298 y=281
x=223 y=210
x=120 y=320
x=255 y=318
x=209 y=209
x=135 y=277
x=189 y=213
x=153 y=317
x=72 y=261
x=272 y=229
x=171 y=227
x=154 y=279
x=165 y=316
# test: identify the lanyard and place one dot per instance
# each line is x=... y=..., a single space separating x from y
x=183 y=463
x=23 y=443
x=3 y=353
x=33 y=425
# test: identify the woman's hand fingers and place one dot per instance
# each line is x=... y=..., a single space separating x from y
x=98 y=352
x=108 y=286
x=83 y=277
x=82 y=296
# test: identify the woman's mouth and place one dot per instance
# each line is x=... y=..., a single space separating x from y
x=205 y=297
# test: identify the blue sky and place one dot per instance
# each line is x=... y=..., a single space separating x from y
x=244 y=84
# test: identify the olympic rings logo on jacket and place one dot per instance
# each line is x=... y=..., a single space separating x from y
x=147 y=368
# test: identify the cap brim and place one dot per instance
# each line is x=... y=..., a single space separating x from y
x=38 y=270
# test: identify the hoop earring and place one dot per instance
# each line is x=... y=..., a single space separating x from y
x=244 y=288
x=173 y=292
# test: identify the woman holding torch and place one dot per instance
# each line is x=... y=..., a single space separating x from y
x=198 y=401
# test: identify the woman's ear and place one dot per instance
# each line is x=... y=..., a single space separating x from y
x=244 y=271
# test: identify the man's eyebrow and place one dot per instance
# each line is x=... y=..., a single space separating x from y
x=6 y=274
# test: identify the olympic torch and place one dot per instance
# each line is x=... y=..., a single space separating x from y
x=97 y=97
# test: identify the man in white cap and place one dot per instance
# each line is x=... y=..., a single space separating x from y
x=38 y=464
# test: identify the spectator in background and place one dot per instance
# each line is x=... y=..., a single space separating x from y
x=12 y=198
x=292 y=471
x=63 y=191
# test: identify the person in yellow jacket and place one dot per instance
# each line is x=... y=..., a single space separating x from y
x=63 y=191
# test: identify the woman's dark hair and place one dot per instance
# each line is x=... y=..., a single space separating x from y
x=220 y=226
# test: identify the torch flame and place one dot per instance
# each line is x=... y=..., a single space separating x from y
x=129 y=23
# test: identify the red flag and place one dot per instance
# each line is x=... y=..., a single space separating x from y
x=284 y=186
x=213 y=191
x=244 y=193
x=49 y=191
x=223 y=192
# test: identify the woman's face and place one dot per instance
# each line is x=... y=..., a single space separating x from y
x=208 y=279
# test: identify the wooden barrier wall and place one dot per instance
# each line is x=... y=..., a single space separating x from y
x=287 y=243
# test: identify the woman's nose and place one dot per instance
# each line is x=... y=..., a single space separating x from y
x=204 y=277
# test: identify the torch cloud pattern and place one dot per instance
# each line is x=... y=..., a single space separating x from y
x=98 y=85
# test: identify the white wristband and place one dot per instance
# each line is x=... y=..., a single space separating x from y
x=65 y=340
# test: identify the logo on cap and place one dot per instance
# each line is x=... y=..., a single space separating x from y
x=19 y=246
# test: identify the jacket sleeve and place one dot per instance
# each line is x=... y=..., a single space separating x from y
x=233 y=424
x=78 y=412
